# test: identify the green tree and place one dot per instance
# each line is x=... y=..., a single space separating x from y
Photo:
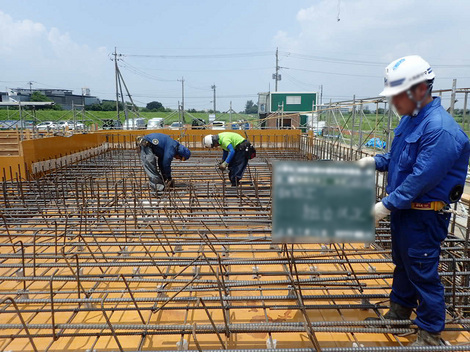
x=155 y=106
x=94 y=107
x=38 y=96
x=250 y=107
x=110 y=105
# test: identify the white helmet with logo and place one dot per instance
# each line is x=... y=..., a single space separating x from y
x=404 y=73
x=207 y=142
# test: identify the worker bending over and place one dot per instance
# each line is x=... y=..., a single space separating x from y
x=158 y=148
x=427 y=166
x=236 y=152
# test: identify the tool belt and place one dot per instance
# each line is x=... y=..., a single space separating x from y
x=248 y=149
x=435 y=206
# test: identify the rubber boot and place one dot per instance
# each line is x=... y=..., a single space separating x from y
x=426 y=338
x=396 y=312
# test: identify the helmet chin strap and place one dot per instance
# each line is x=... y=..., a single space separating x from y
x=215 y=139
x=419 y=103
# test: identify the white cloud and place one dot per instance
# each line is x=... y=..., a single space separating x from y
x=30 y=51
x=377 y=31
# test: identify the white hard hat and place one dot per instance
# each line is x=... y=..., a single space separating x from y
x=404 y=73
x=207 y=141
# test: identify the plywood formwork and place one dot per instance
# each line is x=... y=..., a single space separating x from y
x=90 y=259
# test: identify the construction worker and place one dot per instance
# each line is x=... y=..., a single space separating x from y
x=427 y=166
x=160 y=148
x=236 y=152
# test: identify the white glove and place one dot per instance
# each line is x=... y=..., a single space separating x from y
x=223 y=165
x=380 y=212
x=368 y=160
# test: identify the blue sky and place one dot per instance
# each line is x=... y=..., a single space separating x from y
x=67 y=44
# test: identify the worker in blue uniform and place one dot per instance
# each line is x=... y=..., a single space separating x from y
x=427 y=167
x=160 y=149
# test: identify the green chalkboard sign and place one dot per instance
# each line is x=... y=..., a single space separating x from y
x=323 y=201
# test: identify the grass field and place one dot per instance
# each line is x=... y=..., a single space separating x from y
x=368 y=122
x=97 y=116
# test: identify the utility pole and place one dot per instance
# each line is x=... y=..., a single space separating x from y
x=321 y=94
x=119 y=90
x=277 y=67
x=30 y=87
x=74 y=114
x=213 y=88
x=230 y=111
x=179 y=112
x=116 y=73
x=83 y=104
x=182 y=98
x=452 y=97
x=277 y=76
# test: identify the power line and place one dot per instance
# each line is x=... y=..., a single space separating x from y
x=299 y=83
x=331 y=73
x=198 y=88
x=196 y=97
x=202 y=56
x=331 y=59
x=355 y=62
x=207 y=70
x=144 y=74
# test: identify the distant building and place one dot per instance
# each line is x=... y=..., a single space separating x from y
x=63 y=97
x=285 y=109
x=4 y=97
x=345 y=110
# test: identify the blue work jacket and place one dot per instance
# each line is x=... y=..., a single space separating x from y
x=428 y=158
x=165 y=148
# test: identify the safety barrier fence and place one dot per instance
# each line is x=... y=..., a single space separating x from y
x=41 y=155
x=357 y=121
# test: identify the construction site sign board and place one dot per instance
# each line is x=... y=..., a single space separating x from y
x=323 y=201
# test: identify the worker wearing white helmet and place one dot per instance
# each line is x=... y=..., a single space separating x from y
x=236 y=153
x=427 y=166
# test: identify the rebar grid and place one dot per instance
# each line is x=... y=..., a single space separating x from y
x=91 y=259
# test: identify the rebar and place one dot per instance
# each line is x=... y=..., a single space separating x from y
x=90 y=251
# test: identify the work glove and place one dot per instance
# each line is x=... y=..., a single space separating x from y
x=380 y=212
x=368 y=160
x=223 y=165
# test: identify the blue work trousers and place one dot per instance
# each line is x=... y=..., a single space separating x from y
x=416 y=241
x=149 y=162
x=237 y=167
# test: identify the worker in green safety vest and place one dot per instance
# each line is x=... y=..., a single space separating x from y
x=236 y=153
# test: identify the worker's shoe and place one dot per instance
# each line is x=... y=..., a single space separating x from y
x=396 y=312
x=235 y=183
x=426 y=338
